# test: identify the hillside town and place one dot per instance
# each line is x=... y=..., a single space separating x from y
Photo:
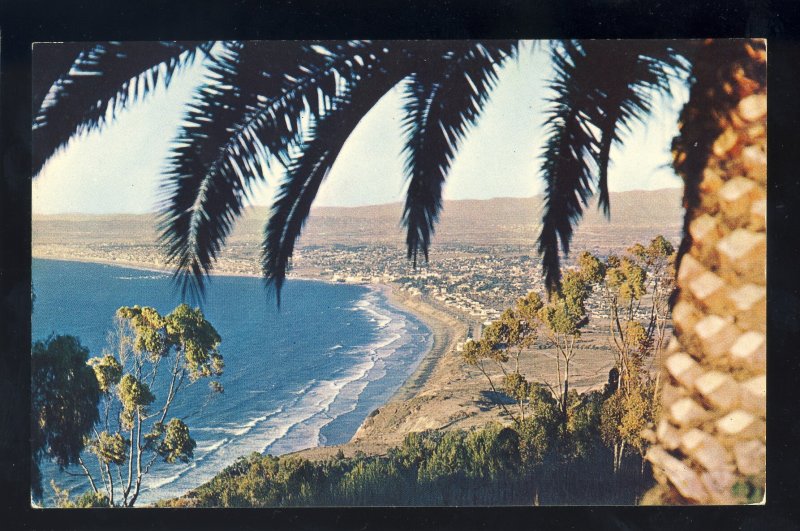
x=471 y=282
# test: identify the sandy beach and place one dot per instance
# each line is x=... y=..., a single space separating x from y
x=445 y=393
x=442 y=393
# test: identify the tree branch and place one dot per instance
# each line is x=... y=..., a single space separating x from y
x=88 y=474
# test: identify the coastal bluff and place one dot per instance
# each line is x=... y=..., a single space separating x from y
x=445 y=393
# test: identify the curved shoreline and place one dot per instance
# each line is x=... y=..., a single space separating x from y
x=445 y=332
x=440 y=325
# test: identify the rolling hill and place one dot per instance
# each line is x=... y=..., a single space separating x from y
x=636 y=216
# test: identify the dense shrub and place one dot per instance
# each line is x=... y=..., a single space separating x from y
x=495 y=465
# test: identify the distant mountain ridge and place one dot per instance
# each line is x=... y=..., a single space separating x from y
x=467 y=221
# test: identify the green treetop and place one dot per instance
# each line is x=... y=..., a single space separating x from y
x=64 y=398
x=132 y=431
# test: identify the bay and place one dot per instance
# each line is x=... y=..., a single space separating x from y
x=304 y=375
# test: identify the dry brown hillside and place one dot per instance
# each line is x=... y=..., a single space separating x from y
x=636 y=216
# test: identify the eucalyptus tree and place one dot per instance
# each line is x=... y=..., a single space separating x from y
x=64 y=400
x=483 y=353
x=501 y=342
x=296 y=103
x=636 y=332
x=563 y=317
x=557 y=323
x=620 y=283
x=658 y=261
x=132 y=432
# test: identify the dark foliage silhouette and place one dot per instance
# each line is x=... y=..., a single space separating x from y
x=274 y=102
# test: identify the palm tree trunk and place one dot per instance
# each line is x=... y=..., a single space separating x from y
x=710 y=440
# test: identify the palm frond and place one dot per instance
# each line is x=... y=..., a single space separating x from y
x=642 y=70
x=306 y=173
x=569 y=158
x=101 y=81
x=250 y=112
x=443 y=99
x=601 y=88
x=50 y=62
x=212 y=168
x=319 y=73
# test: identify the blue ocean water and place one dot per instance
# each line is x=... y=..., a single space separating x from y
x=304 y=376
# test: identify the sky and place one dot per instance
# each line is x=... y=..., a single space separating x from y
x=118 y=169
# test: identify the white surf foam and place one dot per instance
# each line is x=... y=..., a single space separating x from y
x=298 y=423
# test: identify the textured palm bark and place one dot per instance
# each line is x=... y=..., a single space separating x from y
x=709 y=444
